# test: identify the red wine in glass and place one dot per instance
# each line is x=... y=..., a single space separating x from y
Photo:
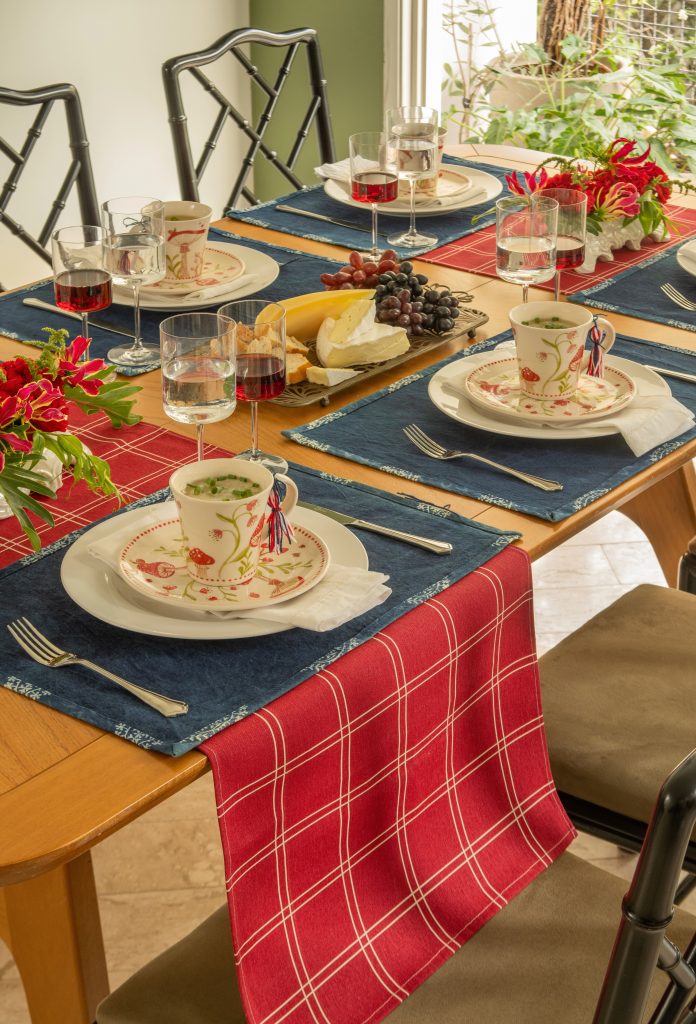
x=83 y=291
x=374 y=187
x=570 y=252
x=259 y=377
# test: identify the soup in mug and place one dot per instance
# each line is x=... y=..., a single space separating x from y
x=229 y=487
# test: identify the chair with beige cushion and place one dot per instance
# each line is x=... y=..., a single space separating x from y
x=540 y=960
x=619 y=696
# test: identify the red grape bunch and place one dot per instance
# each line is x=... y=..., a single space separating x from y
x=359 y=273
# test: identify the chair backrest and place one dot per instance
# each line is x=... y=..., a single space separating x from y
x=317 y=111
x=79 y=172
x=641 y=943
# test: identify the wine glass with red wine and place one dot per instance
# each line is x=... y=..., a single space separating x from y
x=572 y=230
x=260 y=365
x=373 y=178
x=80 y=282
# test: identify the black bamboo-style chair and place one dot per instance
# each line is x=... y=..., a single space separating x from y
x=79 y=172
x=619 y=696
x=233 y=44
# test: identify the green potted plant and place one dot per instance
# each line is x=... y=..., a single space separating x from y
x=570 y=94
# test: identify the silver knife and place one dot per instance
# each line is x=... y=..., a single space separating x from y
x=321 y=216
x=439 y=547
x=40 y=304
x=672 y=373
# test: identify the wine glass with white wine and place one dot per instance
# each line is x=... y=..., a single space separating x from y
x=413 y=136
x=525 y=240
x=134 y=255
x=198 y=369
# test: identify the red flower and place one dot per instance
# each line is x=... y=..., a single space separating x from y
x=16 y=374
x=618 y=157
x=20 y=444
x=46 y=406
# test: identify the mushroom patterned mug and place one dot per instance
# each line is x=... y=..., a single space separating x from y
x=223 y=508
x=550 y=341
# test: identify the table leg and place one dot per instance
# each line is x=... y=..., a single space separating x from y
x=666 y=512
x=52 y=928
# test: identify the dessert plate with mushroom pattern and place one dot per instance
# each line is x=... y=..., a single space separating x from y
x=497 y=386
x=153 y=562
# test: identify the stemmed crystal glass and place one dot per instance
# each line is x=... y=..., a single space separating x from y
x=260 y=365
x=80 y=282
x=525 y=239
x=412 y=134
x=373 y=177
x=198 y=369
x=572 y=230
x=134 y=245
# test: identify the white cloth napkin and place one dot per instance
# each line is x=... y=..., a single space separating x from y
x=652 y=418
x=51 y=468
x=340 y=171
x=343 y=594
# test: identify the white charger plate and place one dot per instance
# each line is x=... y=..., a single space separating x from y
x=340 y=191
x=101 y=593
x=263 y=267
x=686 y=257
x=463 y=411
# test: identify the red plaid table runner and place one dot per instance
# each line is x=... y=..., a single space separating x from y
x=375 y=817
x=142 y=458
x=476 y=253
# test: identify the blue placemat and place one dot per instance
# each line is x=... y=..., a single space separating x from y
x=446 y=227
x=637 y=292
x=370 y=431
x=299 y=273
x=224 y=680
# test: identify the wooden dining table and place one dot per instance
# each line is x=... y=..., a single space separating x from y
x=66 y=785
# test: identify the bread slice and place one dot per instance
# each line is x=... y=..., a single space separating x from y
x=293 y=345
x=296 y=367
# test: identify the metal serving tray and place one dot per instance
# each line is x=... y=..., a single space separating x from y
x=306 y=393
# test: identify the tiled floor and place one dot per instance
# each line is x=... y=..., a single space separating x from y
x=164 y=873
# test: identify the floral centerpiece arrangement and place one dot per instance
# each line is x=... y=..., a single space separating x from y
x=36 y=396
x=620 y=184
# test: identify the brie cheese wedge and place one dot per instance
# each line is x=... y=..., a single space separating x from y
x=354 y=338
x=321 y=375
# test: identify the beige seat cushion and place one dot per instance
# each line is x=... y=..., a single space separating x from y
x=619 y=697
x=541 y=960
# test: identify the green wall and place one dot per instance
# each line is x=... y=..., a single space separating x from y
x=351 y=39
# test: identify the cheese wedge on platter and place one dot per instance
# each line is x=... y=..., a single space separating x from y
x=354 y=338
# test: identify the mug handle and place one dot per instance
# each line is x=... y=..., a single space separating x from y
x=290 y=500
x=610 y=336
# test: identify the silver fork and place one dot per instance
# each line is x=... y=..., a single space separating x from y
x=677 y=297
x=40 y=648
x=429 y=447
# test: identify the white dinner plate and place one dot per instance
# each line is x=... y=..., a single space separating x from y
x=463 y=411
x=101 y=592
x=263 y=267
x=686 y=257
x=480 y=180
